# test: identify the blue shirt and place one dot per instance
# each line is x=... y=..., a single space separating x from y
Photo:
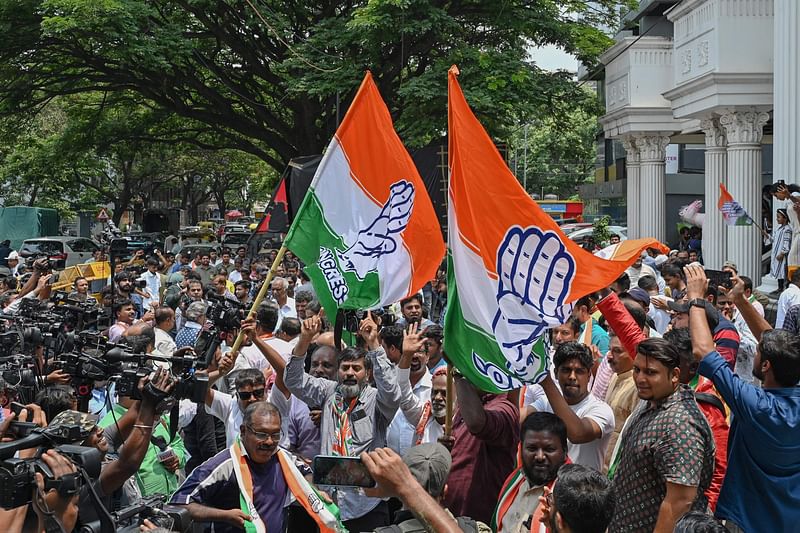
x=599 y=337
x=213 y=484
x=761 y=490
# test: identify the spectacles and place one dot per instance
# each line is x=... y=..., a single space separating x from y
x=245 y=395
x=260 y=435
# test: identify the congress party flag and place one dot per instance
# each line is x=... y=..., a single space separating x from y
x=366 y=228
x=512 y=273
x=733 y=213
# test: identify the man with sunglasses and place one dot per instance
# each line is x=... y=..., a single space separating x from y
x=246 y=485
x=250 y=387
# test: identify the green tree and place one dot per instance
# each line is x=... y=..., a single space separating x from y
x=271 y=77
x=561 y=146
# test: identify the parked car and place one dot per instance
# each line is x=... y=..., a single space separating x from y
x=235 y=239
x=582 y=234
x=192 y=249
x=62 y=251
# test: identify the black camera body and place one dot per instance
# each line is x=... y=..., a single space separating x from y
x=225 y=314
x=17 y=476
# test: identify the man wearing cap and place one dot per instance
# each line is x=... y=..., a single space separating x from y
x=134 y=428
x=429 y=464
x=12 y=261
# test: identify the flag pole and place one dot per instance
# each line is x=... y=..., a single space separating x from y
x=260 y=296
x=448 y=417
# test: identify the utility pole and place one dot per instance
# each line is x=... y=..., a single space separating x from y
x=525 y=161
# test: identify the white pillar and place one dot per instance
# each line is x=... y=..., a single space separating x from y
x=652 y=195
x=786 y=88
x=744 y=129
x=715 y=232
x=633 y=185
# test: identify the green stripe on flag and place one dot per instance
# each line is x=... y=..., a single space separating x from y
x=474 y=351
x=311 y=237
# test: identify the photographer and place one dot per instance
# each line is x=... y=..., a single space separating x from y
x=81 y=291
x=219 y=289
x=37 y=286
x=51 y=510
x=242 y=293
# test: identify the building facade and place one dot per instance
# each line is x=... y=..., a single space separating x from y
x=700 y=93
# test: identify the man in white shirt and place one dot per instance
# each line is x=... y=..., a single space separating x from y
x=639 y=269
x=589 y=421
x=788 y=298
x=250 y=387
x=251 y=356
x=165 y=321
x=413 y=375
x=286 y=306
x=153 y=279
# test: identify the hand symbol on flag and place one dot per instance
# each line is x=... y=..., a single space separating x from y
x=378 y=238
x=535 y=272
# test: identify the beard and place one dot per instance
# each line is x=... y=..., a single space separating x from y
x=351 y=390
x=538 y=477
x=439 y=411
x=757 y=373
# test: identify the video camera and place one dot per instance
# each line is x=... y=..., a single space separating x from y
x=225 y=314
x=129 y=368
x=17 y=476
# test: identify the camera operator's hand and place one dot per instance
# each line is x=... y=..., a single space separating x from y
x=52 y=502
x=41 y=265
x=157 y=388
x=33 y=413
x=58 y=377
x=43 y=281
x=368 y=330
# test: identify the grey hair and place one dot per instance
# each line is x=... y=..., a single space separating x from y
x=195 y=311
x=281 y=281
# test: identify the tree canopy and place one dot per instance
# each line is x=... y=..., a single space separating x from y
x=270 y=77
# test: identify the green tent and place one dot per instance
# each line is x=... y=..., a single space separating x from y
x=20 y=223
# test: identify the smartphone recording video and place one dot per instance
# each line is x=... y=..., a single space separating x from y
x=341 y=471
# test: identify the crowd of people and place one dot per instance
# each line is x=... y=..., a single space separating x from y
x=671 y=404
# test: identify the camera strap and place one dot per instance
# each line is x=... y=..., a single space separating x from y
x=173 y=420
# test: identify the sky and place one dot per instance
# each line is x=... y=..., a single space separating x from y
x=553 y=58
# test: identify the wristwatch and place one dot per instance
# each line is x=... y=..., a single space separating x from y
x=698 y=302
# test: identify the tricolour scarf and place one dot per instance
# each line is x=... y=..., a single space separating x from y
x=325 y=514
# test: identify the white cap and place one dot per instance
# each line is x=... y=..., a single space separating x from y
x=13 y=255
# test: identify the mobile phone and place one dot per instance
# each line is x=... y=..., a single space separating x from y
x=16 y=407
x=719 y=278
x=341 y=471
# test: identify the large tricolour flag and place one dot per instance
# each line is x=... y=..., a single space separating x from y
x=366 y=229
x=511 y=272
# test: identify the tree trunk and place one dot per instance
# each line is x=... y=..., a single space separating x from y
x=34 y=193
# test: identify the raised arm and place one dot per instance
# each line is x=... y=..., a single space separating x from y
x=113 y=476
x=411 y=406
x=579 y=430
x=621 y=321
x=383 y=372
x=309 y=389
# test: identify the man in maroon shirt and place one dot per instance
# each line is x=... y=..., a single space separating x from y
x=484 y=449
